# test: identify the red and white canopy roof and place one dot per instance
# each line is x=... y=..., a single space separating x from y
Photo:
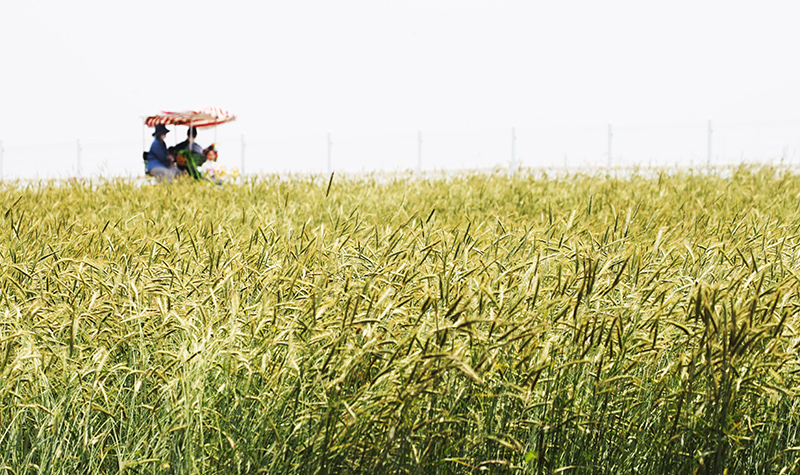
x=205 y=117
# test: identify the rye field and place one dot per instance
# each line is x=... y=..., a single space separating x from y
x=478 y=323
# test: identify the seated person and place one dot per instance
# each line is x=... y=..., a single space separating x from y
x=196 y=148
x=188 y=161
x=158 y=161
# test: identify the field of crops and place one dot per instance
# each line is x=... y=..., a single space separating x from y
x=528 y=324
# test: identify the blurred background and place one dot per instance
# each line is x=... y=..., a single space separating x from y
x=357 y=85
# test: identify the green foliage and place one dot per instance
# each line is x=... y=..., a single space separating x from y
x=574 y=324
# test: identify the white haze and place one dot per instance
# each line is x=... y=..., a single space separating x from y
x=374 y=73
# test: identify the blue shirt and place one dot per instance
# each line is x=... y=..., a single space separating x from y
x=157 y=155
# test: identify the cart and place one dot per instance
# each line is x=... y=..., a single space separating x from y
x=187 y=160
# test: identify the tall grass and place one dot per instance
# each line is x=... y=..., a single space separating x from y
x=579 y=324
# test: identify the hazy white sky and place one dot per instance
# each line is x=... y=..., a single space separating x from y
x=90 y=69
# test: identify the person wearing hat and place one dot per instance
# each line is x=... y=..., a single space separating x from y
x=159 y=164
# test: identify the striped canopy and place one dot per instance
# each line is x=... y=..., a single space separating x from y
x=201 y=118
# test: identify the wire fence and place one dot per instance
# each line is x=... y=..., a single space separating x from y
x=558 y=147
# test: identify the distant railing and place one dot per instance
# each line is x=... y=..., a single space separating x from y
x=696 y=145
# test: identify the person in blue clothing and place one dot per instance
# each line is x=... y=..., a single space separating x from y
x=159 y=164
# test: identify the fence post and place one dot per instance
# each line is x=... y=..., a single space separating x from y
x=78 y=169
x=242 y=173
x=610 y=135
x=513 y=149
x=419 y=152
x=708 y=165
x=330 y=144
